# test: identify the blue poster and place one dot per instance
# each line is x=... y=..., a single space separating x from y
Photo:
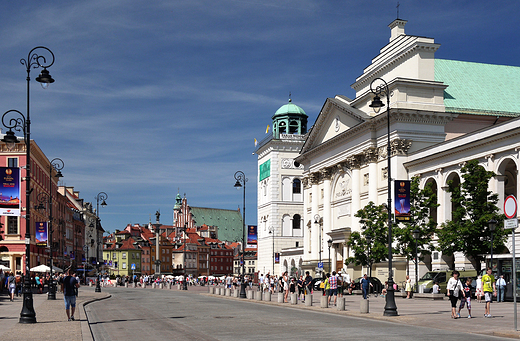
x=252 y=236
x=10 y=191
x=402 y=200
x=41 y=233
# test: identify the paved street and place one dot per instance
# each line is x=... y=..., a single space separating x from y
x=136 y=313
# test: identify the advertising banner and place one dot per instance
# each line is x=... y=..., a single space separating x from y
x=277 y=258
x=10 y=191
x=41 y=234
x=402 y=200
x=252 y=237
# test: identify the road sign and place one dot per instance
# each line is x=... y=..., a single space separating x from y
x=511 y=223
x=510 y=207
x=320 y=265
x=132 y=267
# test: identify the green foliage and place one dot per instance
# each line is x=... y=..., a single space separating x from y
x=474 y=205
x=422 y=202
x=373 y=221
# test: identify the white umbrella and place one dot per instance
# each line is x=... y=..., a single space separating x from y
x=4 y=268
x=45 y=268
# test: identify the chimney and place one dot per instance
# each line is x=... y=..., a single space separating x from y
x=397 y=28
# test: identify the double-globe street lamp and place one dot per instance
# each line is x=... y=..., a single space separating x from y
x=241 y=180
x=101 y=196
x=23 y=123
x=377 y=104
x=57 y=164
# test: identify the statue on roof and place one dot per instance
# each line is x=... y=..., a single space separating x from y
x=157 y=216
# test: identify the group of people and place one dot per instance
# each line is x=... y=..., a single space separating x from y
x=486 y=286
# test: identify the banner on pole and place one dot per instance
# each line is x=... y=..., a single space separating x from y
x=252 y=236
x=10 y=191
x=402 y=200
x=42 y=234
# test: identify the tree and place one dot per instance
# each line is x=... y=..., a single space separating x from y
x=474 y=205
x=422 y=202
x=373 y=224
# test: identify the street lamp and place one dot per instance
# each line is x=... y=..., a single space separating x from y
x=377 y=104
x=369 y=261
x=416 y=234
x=22 y=123
x=329 y=243
x=241 y=180
x=271 y=232
x=101 y=196
x=492 y=225
x=318 y=220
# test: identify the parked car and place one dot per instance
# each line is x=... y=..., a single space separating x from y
x=377 y=286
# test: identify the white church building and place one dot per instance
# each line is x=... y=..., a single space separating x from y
x=442 y=113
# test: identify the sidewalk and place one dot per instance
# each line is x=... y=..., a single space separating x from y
x=51 y=318
x=418 y=312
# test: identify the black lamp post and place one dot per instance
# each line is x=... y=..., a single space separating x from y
x=329 y=243
x=492 y=225
x=22 y=123
x=241 y=180
x=185 y=281
x=369 y=261
x=416 y=234
x=271 y=232
x=318 y=220
x=101 y=196
x=377 y=104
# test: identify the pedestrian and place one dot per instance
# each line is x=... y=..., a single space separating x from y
x=11 y=284
x=466 y=300
x=68 y=285
x=478 y=291
x=351 y=287
x=333 y=290
x=454 y=290
x=38 y=283
x=490 y=290
x=285 y=283
x=501 y=288
x=18 y=282
x=301 y=289
x=292 y=286
x=2 y=280
x=435 y=288
x=365 y=286
x=308 y=283
x=326 y=285
x=408 y=287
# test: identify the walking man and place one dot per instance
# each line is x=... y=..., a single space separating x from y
x=69 y=284
x=365 y=286
x=490 y=290
x=333 y=291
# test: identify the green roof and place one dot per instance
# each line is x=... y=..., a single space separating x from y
x=228 y=222
x=477 y=88
x=289 y=108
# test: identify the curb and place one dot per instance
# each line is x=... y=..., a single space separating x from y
x=86 y=333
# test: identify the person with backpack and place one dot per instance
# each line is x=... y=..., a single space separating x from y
x=454 y=290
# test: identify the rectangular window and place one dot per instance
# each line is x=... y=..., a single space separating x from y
x=12 y=162
x=12 y=225
x=163 y=251
x=124 y=255
x=124 y=265
x=114 y=255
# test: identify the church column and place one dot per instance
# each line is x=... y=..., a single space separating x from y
x=315 y=239
x=307 y=220
x=371 y=159
x=326 y=175
x=354 y=165
x=334 y=256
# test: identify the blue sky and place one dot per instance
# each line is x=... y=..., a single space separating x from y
x=152 y=96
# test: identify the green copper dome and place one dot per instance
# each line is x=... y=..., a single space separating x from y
x=178 y=202
x=289 y=109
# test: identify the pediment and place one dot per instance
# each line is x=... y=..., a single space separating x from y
x=336 y=117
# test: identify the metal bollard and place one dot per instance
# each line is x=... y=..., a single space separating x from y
x=211 y=290
x=169 y=286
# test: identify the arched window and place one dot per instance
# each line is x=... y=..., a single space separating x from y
x=293 y=127
x=296 y=222
x=297 y=186
x=283 y=128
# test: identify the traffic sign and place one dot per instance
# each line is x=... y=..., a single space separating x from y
x=511 y=223
x=510 y=207
x=132 y=267
x=320 y=265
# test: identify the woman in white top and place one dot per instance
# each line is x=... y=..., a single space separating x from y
x=454 y=290
x=479 y=292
